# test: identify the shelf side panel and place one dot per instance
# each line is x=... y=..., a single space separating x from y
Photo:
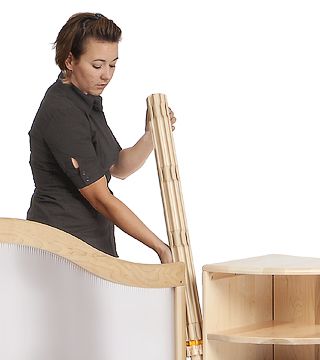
x=305 y=352
x=232 y=301
x=237 y=300
x=218 y=350
x=296 y=299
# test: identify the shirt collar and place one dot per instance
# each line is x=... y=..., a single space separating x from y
x=85 y=102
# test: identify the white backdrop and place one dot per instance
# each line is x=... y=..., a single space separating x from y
x=243 y=79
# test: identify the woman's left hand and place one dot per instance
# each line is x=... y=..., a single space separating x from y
x=172 y=119
x=171 y=116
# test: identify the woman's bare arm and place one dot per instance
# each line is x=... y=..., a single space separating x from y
x=132 y=158
x=100 y=197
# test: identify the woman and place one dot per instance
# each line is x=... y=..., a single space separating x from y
x=73 y=151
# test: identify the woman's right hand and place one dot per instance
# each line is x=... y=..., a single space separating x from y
x=165 y=254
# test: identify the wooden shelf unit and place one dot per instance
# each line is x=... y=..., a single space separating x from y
x=265 y=307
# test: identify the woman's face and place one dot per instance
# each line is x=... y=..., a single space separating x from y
x=94 y=70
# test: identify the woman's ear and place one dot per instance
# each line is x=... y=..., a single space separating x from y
x=69 y=62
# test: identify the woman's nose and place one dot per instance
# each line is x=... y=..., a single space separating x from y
x=106 y=74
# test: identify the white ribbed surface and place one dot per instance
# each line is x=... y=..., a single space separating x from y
x=51 y=309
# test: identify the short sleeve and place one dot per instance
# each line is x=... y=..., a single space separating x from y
x=68 y=135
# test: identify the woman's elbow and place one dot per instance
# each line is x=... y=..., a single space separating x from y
x=120 y=176
x=115 y=172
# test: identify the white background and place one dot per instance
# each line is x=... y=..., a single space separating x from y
x=243 y=80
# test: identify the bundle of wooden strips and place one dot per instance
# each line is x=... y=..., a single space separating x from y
x=158 y=115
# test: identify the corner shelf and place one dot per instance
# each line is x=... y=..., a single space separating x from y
x=258 y=308
x=271 y=332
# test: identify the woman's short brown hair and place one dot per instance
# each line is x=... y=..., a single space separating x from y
x=81 y=26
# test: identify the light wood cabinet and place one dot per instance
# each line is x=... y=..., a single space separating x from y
x=265 y=308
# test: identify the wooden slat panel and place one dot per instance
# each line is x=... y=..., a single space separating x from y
x=178 y=235
x=30 y=233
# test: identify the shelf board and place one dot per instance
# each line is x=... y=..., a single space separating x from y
x=275 y=264
x=271 y=332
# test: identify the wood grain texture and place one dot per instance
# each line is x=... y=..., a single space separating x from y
x=33 y=234
x=275 y=264
x=234 y=293
x=271 y=332
x=296 y=299
x=230 y=302
x=219 y=350
x=306 y=352
x=176 y=224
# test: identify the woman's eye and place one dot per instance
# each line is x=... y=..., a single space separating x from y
x=112 y=66
x=97 y=66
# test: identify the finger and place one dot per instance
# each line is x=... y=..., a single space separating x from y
x=173 y=120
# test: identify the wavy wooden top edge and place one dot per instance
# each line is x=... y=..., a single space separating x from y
x=48 y=238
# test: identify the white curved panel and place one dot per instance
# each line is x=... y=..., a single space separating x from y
x=52 y=309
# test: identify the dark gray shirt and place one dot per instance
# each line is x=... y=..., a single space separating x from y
x=70 y=124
